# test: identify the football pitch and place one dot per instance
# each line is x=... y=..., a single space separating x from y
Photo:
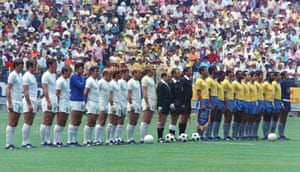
x=191 y=156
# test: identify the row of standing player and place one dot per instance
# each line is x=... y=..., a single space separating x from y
x=247 y=100
x=75 y=94
x=115 y=97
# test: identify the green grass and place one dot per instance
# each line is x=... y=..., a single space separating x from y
x=191 y=156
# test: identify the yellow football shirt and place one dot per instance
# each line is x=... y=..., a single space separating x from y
x=238 y=90
x=212 y=86
x=220 y=91
x=253 y=92
x=260 y=91
x=246 y=91
x=202 y=86
x=277 y=87
x=228 y=89
x=269 y=91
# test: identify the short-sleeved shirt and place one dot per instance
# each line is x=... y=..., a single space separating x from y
x=49 y=79
x=149 y=83
x=253 y=92
x=30 y=81
x=220 y=91
x=17 y=82
x=269 y=91
x=63 y=85
x=246 y=91
x=124 y=90
x=116 y=89
x=238 y=90
x=228 y=89
x=277 y=89
x=203 y=87
x=104 y=90
x=260 y=91
x=212 y=86
x=135 y=87
x=93 y=87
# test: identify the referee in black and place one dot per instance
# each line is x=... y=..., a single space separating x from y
x=187 y=94
x=163 y=103
x=176 y=95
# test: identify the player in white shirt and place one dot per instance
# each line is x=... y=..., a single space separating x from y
x=114 y=107
x=91 y=93
x=49 y=102
x=29 y=101
x=134 y=104
x=148 y=101
x=123 y=97
x=14 y=102
x=104 y=91
x=64 y=108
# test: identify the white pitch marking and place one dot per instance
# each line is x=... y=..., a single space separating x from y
x=231 y=143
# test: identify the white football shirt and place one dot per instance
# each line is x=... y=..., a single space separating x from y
x=30 y=80
x=49 y=79
x=93 y=94
x=16 y=90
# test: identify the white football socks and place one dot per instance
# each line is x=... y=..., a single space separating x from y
x=26 y=134
x=10 y=132
x=130 y=132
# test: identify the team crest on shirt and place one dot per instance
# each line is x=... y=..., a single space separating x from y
x=203 y=118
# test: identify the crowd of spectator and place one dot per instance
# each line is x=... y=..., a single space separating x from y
x=239 y=34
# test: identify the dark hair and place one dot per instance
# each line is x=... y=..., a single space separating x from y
x=252 y=73
x=259 y=72
x=18 y=62
x=115 y=73
x=65 y=69
x=186 y=69
x=78 y=65
x=283 y=73
x=238 y=72
x=93 y=68
x=163 y=74
x=124 y=70
x=174 y=71
x=220 y=73
x=202 y=68
x=30 y=63
x=211 y=69
x=50 y=62
x=228 y=71
x=244 y=72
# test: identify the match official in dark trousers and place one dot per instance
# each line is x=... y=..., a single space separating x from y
x=186 y=98
x=177 y=94
x=163 y=104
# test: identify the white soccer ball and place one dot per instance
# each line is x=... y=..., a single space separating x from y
x=170 y=138
x=272 y=137
x=183 y=137
x=148 y=139
x=195 y=136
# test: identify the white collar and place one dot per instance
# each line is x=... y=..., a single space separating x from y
x=174 y=80
x=186 y=77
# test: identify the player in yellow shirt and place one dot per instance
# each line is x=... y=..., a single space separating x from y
x=253 y=105
x=213 y=98
x=202 y=93
x=244 y=126
x=239 y=102
x=269 y=91
x=277 y=101
x=260 y=103
x=220 y=109
x=229 y=105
